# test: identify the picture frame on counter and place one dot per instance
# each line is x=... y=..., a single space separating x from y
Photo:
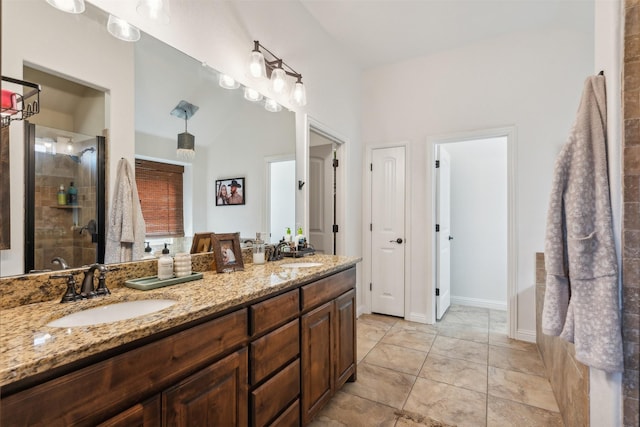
x=230 y=191
x=227 y=252
x=202 y=242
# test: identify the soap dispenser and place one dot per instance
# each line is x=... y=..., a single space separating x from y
x=165 y=265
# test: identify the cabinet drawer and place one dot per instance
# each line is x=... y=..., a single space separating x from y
x=274 y=350
x=88 y=394
x=290 y=417
x=274 y=395
x=273 y=312
x=328 y=288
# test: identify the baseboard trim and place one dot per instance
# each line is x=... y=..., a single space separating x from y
x=526 y=335
x=478 y=302
x=416 y=317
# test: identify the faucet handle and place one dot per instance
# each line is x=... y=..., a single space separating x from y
x=102 y=286
x=70 y=295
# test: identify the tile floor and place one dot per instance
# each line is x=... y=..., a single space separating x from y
x=463 y=371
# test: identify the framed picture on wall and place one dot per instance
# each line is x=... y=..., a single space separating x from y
x=230 y=192
x=227 y=252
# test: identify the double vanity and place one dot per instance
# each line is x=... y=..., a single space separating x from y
x=269 y=345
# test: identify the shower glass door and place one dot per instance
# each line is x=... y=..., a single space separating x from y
x=65 y=199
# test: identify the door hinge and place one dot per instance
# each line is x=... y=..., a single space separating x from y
x=437 y=292
x=370 y=286
x=335 y=228
x=335 y=163
x=437 y=164
x=437 y=228
x=371 y=166
x=370 y=227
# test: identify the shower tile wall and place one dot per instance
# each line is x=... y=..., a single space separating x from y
x=569 y=378
x=631 y=215
x=56 y=233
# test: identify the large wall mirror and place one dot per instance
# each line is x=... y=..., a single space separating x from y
x=139 y=84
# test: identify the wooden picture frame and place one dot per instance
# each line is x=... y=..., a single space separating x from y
x=227 y=252
x=202 y=242
x=228 y=196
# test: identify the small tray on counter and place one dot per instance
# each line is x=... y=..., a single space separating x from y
x=152 y=282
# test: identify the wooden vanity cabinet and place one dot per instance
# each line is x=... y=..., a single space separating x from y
x=112 y=389
x=328 y=338
x=215 y=396
x=271 y=363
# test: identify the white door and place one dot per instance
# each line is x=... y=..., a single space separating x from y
x=443 y=237
x=321 y=189
x=387 y=230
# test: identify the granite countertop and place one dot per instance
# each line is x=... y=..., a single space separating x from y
x=28 y=347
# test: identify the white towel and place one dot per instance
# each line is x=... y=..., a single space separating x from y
x=126 y=228
x=581 y=297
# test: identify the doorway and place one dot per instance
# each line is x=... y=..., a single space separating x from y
x=323 y=165
x=281 y=196
x=325 y=196
x=482 y=268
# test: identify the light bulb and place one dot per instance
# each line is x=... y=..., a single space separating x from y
x=272 y=106
x=278 y=81
x=121 y=29
x=299 y=95
x=155 y=10
x=252 y=94
x=69 y=6
x=256 y=65
x=228 y=82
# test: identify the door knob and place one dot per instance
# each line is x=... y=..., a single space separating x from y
x=450 y=237
x=398 y=240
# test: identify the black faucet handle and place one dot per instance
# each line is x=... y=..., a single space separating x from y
x=70 y=294
x=102 y=285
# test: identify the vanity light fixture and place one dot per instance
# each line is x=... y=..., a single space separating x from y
x=121 y=29
x=252 y=95
x=277 y=70
x=186 y=141
x=227 y=82
x=154 y=10
x=69 y=6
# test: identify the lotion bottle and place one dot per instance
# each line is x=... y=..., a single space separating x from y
x=165 y=265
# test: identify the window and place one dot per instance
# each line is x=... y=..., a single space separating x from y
x=160 y=191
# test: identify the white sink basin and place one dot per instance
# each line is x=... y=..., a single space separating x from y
x=111 y=313
x=301 y=264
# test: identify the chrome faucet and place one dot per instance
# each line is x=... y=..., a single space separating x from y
x=59 y=260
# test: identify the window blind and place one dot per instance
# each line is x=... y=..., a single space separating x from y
x=160 y=191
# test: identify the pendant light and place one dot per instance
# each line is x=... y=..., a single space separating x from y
x=272 y=106
x=186 y=141
x=186 y=144
x=227 y=82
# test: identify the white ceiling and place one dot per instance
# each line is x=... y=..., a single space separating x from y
x=377 y=32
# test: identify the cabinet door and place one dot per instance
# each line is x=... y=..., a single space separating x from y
x=145 y=414
x=215 y=396
x=345 y=338
x=317 y=358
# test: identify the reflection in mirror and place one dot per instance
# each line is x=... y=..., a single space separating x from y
x=65 y=173
x=233 y=137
